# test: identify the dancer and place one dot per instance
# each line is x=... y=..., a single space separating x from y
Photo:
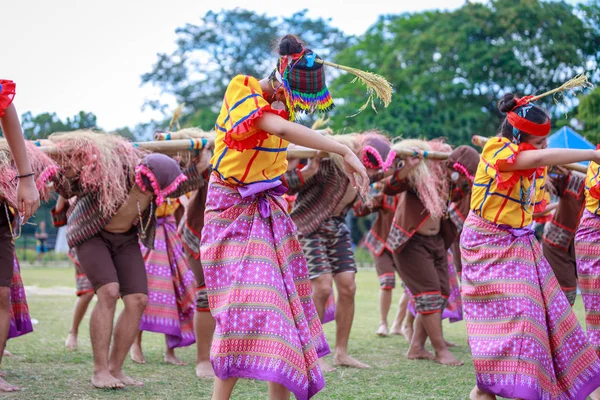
x=19 y=203
x=114 y=191
x=324 y=198
x=171 y=287
x=524 y=337
x=558 y=242
x=83 y=286
x=267 y=327
x=419 y=238
x=587 y=248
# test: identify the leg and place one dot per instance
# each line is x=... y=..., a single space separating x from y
x=101 y=327
x=126 y=329
x=95 y=259
x=344 y=315
x=136 y=353
x=409 y=326
x=385 y=300
x=170 y=357
x=417 y=350
x=222 y=388
x=384 y=265
x=400 y=315
x=478 y=394
x=4 y=327
x=81 y=305
x=278 y=392
x=321 y=288
x=133 y=281
x=204 y=323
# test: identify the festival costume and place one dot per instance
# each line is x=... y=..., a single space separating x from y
x=558 y=243
x=108 y=257
x=587 y=249
x=267 y=327
x=171 y=284
x=422 y=260
x=524 y=337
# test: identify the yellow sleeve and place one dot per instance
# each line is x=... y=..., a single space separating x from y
x=592 y=180
x=496 y=153
x=242 y=105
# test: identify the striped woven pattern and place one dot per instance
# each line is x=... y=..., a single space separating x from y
x=524 y=337
x=587 y=248
x=267 y=327
x=171 y=287
x=20 y=321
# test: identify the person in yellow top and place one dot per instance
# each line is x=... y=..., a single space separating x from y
x=267 y=327
x=524 y=337
x=587 y=249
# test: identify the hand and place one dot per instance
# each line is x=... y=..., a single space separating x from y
x=204 y=160
x=28 y=197
x=411 y=162
x=357 y=173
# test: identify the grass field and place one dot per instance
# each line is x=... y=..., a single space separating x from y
x=45 y=370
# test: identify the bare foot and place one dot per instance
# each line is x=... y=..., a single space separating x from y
x=477 y=394
x=595 y=395
x=7 y=387
x=450 y=344
x=71 y=342
x=408 y=333
x=126 y=380
x=325 y=367
x=396 y=330
x=347 y=361
x=172 y=359
x=136 y=354
x=445 y=357
x=104 y=380
x=204 y=369
x=7 y=353
x=415 y=353
x=383 y=330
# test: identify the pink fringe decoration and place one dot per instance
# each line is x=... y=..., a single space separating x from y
x=104 y=162
x=142 y=170
x=363 y=138
x=463 y=170
x=434 y=189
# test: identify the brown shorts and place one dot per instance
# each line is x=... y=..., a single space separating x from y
x=7 y=250
x=201 y=292
x=386 y=270
x=564 y=265
x=423 y=266
x=114 y=258
x=456 y=257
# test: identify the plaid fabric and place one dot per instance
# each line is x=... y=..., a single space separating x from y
x=307 y=81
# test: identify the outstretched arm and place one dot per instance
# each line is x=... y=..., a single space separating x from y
x=28 y=198
x=547 y=157
x=303 y=136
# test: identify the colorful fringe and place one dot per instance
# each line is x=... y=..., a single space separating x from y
x=171 y=287
x=259 y=292
x=454 y=309
x=20 y=321
x=587 y=248
x=525 y=339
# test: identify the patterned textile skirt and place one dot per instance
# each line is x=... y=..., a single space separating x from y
x=525 y=339
x=329 y=309
x=587 y=248
x=259 y=292
x=20 y=321
x=171 y=287
x=454 y=308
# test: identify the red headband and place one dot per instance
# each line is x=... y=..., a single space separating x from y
x=524 y=125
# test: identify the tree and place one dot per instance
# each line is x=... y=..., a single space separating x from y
x=588 y=112
x=43 y=125
x=225 y=44
x=449 y=68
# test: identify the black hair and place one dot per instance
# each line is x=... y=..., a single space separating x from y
x=535 y=115
x=289 y=44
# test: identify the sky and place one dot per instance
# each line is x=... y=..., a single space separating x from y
x=73 y=55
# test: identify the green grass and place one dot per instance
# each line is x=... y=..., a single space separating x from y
x=47 y=371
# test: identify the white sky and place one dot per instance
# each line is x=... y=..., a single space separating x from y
x=72 y=55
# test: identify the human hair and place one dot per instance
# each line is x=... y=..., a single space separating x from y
x=536 y=115
x=290 y=44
